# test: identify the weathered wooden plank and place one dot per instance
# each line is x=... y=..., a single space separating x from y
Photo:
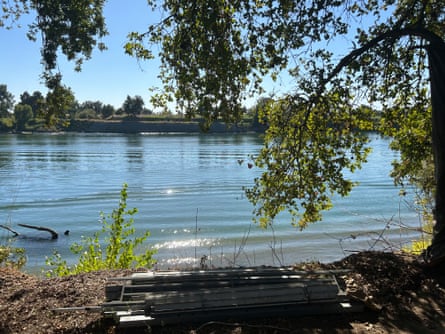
x=165 y=316
x=128 y=290
x=220 y=273
x=135 y=321
x=207 y=283
x=285 y=288
x=253 y=311
x=120 y=306
x=206 y=304
x=266 y=294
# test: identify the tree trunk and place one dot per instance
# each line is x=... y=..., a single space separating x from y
x=436 y=55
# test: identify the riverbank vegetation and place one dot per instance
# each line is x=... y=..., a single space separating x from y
x=12 y=257
x=115 y=246
x=28 y=115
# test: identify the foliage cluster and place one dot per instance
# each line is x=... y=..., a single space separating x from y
x=119 y=252
x=314 y=176
x=12 y=256
x=70 y=28
x=216 y=53
x=30 y=111
x=26 y=115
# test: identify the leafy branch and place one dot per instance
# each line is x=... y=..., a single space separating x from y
x=120 y=252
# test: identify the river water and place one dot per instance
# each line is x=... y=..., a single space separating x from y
x=188 y=191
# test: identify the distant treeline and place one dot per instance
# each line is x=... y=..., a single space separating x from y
x=132 y=117
x=159 y=125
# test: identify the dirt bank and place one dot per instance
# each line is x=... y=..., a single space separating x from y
x=399 y=295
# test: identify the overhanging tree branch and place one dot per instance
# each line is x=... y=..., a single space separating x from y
x=430 y=36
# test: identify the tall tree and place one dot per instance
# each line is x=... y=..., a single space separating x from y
x=107 y=110
x=22 y=114
x=133 y=106
x=59 y=102
x=95 y=106
x=6 y=101
x=71 y=28
x=34 y=101
x=215 y=53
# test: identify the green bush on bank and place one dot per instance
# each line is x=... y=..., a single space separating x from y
x=12 y=257
x=420 y=244
x=6 y=124
x=121 y=245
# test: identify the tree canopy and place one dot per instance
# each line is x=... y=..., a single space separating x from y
x=71 y=28
x=216 y=53
x=133 y=106
x=6 y=101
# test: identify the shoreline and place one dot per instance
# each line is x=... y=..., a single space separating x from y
x=136 y=126
x=141 y=126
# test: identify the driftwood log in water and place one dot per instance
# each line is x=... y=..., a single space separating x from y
x=54 y=234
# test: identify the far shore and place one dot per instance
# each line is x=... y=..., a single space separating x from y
x=141 y=125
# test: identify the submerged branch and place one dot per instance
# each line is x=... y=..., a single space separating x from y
x=54 y=234
x=16 y=234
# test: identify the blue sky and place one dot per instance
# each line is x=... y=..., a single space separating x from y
x=108 y=77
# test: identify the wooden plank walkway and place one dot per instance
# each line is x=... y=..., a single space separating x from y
x=168 y=297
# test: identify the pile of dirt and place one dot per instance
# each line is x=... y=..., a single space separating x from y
x=399 y=297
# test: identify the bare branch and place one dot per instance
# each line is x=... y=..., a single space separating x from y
x=54 y=234
x=16 y=234
x=393 y=35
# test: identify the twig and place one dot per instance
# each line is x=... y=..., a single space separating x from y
x=196 y=232
x=380 y=236
x=237 y=251
x=272 y=246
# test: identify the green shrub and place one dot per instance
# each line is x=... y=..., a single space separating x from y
x=424 y=207
x=120 y=246
x=6 y=124
x=12 y=257
x=86 y=114
x=417 y=246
